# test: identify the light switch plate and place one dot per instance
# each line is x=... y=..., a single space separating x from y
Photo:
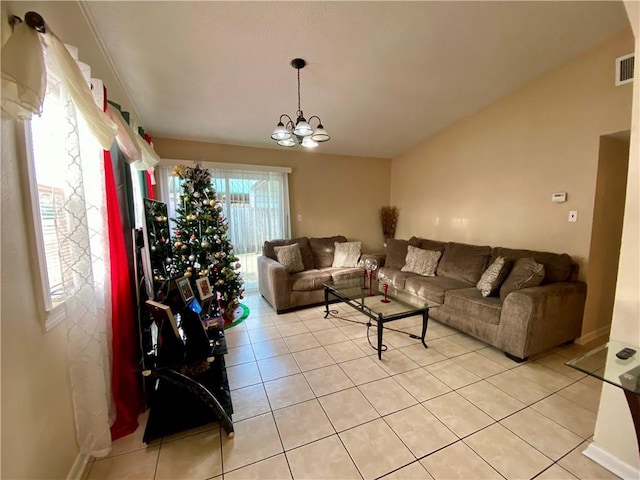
x=573 y=215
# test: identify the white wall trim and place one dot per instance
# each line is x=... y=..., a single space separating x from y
x=78 y=467
x=610 y=462
x=227 y=166
x=600 y=332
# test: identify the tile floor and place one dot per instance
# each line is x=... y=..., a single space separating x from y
x=312 y=400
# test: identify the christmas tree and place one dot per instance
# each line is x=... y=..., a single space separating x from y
x=201 y=244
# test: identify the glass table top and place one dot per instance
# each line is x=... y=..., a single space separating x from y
x=602 y=363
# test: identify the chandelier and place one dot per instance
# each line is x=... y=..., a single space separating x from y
x=286 y=134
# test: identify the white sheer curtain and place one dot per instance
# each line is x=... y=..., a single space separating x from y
x=256 y=205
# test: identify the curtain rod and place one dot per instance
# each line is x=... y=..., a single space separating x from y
x=32 y=19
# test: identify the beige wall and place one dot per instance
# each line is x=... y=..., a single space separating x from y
x=38 y=436
x=335 y=194
x=488 y=179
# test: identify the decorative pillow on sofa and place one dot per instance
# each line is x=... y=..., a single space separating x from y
x=290 y=257
x=422 y=262
x=493 y=277
x=346 y=254
x=526 y=272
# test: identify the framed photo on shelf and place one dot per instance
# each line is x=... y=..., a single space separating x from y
x=161 y=313
x=204 y=288
x=206 y=306
x=184 y=287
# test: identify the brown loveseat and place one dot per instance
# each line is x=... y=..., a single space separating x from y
x=522 y=323
x=287 y=291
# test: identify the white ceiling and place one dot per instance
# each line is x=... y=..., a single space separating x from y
x=382 y=76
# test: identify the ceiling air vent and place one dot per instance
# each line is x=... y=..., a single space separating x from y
x=624 y=69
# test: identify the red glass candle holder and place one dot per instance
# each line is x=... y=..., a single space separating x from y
x=364 y=279
x=385 y=287
x=371 y=282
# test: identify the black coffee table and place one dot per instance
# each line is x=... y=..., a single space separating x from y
x=369 y=301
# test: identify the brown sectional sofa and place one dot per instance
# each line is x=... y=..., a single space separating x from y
x=525 y=322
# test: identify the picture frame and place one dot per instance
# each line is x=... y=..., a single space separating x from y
x=206 y=306
x=184 y=287
x=162 y=313
x=204 y=288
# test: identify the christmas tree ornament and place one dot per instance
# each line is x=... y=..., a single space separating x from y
x=178 y=244
x=153 y=248
x=212 y=203
x=204 y=244
x=192 y=258
x=187 y=274
x=196 y=194
x=189 y=269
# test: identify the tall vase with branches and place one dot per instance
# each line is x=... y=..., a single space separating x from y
x=389 y=221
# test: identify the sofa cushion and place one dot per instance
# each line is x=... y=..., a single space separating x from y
x=526 y=272
x=322 y=250
x=475 y=306
x=309 y=280
x=290 y=257
x=463 y=262
x=394 y=277
x=427 y=244
x=422 y=262
x=343 y=274
x=432 y=288
x=346 y=254
x=493 y=277
x=396 y=253
x=557 y=266
x=303 y=242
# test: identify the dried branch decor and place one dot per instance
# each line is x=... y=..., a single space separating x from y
x=389 y=221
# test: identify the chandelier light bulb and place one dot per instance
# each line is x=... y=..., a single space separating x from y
x=308 y=142
x=287 y=142
x=320 y=135
x=302 y=128
x=280 y=133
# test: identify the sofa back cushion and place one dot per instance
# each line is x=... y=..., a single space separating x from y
x=303 y=243
x=322 y=250
x=427 y=244
x=396 y=253
x=422 y=262
x=557 y=267
x=463 y=262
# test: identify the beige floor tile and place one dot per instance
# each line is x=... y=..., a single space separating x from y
x=423 y=356
x=264 y=334
x=421 y=384
x=191 y=458
x=375 y=449
x=555 y=472
x=387 y=396
x=264 y=321
x=491 y=400
x=583 y=467
x=318 y=324
x=353 y=331
x=313 y=358
x=370 y=345
x=302 y=423
x=557 y=362
x=584 y=393
x=191 y=431
x=499 y=447
x=236 y=338
x=568 y=414
x=458 y=462
x=479 y=364
x=328 y=380
x=397 y=339
x=313 y=312
x=348 y=408
x=270 y=348
x=239 y=355
x=498 y=356
x=322 y=460
x=290 y=317
x=413 y=471
x=278 y=367
x=255 y=439
x=328 y=336
x=448 y=348
x=419 y=430
x=243 y=375
x=363 y=370
x=394 y=362
x=288 y=391
x=467 y=341
x=139 y=464
x=291 y=329
x=271 y=468
x=249 y=402
x=344 y=351
x=538 y=431
x=301 y=342
x=454 y=375
x=550 y=379
x=458 y=414
x=438 y=330
x=133 y=441
x=519 y=387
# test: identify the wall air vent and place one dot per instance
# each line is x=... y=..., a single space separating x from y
x=624 y=69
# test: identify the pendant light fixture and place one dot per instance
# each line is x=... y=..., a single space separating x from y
x=287 y=134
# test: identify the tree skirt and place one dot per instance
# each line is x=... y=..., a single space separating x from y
x=240 y=313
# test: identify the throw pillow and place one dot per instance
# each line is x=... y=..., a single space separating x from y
x=346 y=254
x=290 y=257
x=526 y=272
x=422 y=262
x=493 y=277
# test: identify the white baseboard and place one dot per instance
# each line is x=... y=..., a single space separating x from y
x=600 y=332
x=78 y=467
x=611 y=463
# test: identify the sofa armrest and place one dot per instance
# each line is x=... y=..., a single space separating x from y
x=535 y=319
x=273 y=283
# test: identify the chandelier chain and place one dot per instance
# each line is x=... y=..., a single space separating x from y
x=299 y=110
